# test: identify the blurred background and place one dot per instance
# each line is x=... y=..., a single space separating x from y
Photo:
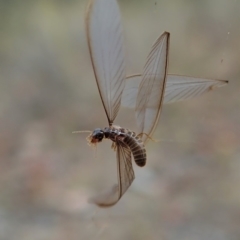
x=189 y=188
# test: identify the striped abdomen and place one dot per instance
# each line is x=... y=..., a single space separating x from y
x=137 y=147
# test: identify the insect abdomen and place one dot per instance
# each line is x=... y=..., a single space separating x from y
x=137 y=148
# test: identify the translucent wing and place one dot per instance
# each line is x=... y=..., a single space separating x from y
x=125 y=178
x=178 y=88
x=105 y=41
x=182 y=88
x=129 y=95
x=154 y=73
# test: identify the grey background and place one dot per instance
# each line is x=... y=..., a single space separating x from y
x=189 y=188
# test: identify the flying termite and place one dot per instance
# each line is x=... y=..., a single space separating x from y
x=144 y=92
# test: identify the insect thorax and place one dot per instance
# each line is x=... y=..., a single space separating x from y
x=115 y=133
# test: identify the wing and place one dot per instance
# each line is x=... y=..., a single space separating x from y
x=105 y=41
x=182 y=88
x=154 y=73
x=178 y=88
x=125 y=178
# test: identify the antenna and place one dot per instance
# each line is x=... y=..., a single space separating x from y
x=85 y=131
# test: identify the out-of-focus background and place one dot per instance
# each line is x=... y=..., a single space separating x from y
x=189 y=188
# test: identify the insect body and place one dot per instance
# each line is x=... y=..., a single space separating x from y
x=121 y=136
